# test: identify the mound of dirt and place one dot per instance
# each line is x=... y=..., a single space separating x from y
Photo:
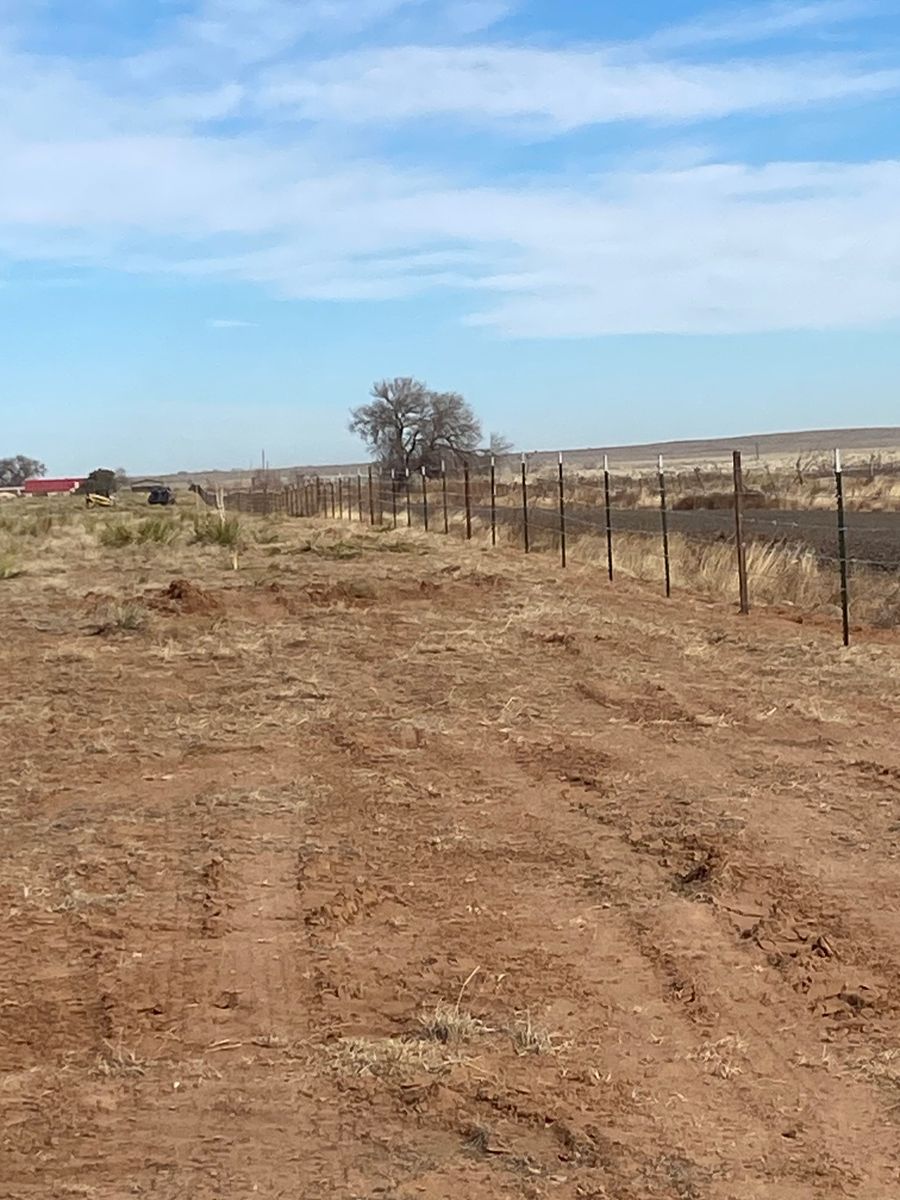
x=182 y=596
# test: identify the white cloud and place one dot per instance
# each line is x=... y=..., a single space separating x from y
x=236 y=34
x=564 y=88
x=713 y=248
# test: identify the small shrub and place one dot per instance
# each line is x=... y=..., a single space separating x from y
x=211 y=530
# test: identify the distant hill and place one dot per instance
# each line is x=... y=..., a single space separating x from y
x=856 y=444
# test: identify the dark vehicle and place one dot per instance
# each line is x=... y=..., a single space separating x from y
x=162 y=495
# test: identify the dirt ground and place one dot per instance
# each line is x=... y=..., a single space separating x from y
x=389 y=868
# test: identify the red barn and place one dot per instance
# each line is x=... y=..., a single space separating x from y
x=50 y=487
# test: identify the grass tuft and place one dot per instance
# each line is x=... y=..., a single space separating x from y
x=386 y=1056
x=115 y=1060
x=116 y=534
x=212 y=530
x=161 y=531
x=447 y=1023
x=531 y=1038
x=127 y=616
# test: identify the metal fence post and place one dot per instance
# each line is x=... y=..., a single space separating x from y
x=359 y=494
x=468 y=491
x=493 y=500
x=341 y=496
x=408 y=500
x=525 y=505
x=562 y=513
x=664 y=517
x=444 y=496
x=425 y=498
x=842 y=546
x=331 y=489
x=371 y=498
x=609 y=530
x=739 y=532
x=394 y=497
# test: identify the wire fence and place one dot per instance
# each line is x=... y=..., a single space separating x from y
x=540 y=512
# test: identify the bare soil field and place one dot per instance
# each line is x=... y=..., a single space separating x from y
x=390 y=868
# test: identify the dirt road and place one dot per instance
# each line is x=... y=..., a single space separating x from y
x=389 y=869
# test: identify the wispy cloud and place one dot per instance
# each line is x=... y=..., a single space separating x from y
x=760 y=22
x=565 y=89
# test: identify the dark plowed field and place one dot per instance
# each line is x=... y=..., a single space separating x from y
x=872 y=538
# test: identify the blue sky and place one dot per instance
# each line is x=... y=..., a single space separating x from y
x=221 y=220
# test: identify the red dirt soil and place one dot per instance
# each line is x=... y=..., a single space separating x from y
x=428 y=875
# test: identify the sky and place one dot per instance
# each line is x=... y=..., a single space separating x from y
x=222 y=220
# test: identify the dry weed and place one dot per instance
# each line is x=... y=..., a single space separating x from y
x=531 y=1038
x=883 y=1069
x=448 y=1024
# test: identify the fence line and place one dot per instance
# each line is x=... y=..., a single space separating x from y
x=548 y=511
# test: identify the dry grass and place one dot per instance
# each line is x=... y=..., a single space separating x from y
x=777 y=574
x=127 y=616
x=388 y=1056
x=449 y=1024
x=59 y=545
x=883 y=1069
x=155 y=530
x=725 y=1059
x=444 y=1031
x=532 y=1038
x=117 y=1061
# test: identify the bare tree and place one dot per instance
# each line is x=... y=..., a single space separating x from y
x=499 y=445
x=14 y=471
x=408 y=426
